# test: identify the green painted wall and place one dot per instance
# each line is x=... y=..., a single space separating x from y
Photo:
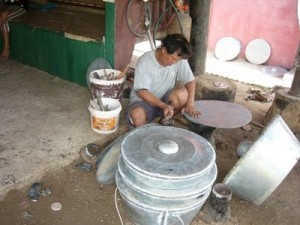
x=58 y=55
x=110 y=26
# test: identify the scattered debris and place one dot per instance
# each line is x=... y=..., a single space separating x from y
x=46 y=192
x=26 y=215
x=84 y=166
x=36 y=190
x=258 y=95
x=247 y=127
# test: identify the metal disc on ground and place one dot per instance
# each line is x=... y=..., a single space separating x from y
x=258 y=51
x=227 y=48
x=275 y=71
x=107 y=163
x=56 y=206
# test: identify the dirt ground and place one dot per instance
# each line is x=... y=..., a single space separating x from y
x=84 y=201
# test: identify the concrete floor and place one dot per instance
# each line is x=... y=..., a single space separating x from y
x=44 y=123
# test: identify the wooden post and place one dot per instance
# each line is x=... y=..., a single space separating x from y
x=287 y=102
x=288 y=107
x=199 y=12
x=295 y=87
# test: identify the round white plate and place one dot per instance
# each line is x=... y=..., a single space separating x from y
x=258 y=51
x=227 y=48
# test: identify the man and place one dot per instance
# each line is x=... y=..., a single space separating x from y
x=154 y=93
x=9 y=9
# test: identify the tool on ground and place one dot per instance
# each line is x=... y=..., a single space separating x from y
x=84 y=166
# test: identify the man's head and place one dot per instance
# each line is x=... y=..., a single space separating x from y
x=177 y=43
x=174 y=48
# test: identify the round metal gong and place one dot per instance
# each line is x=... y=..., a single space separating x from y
x=167 y=152
x=220 y=114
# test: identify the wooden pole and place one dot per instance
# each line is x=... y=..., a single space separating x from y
x=295 y=87
x=199 y=12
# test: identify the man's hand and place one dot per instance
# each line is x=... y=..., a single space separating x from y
x=168 y=111
x=191 y=110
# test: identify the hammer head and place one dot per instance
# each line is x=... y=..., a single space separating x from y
x=167 y=122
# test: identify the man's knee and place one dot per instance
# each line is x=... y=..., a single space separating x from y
x=138 y=116
x=179 y=96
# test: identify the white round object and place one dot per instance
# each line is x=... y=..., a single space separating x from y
x=227 y=48
x=274 y=71
x=258 y=51
x=220 y=84
x=56 y=206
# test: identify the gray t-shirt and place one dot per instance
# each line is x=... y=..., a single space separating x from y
x=157 y=79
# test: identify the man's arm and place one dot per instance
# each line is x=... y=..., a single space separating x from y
x=190 y=105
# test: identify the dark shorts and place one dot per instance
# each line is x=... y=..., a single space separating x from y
x=151 y=111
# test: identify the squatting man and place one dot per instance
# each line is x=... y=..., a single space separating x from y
x=155 y=93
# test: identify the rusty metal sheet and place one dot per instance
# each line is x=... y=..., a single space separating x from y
x=220 y=114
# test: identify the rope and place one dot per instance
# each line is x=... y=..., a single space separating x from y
x=116 y=205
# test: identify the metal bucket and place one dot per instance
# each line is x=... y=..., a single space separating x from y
x=165 y=175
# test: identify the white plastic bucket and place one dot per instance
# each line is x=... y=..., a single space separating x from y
x=106 y=122
x=106 y=88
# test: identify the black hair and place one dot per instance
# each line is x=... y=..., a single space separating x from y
x=177 y=43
